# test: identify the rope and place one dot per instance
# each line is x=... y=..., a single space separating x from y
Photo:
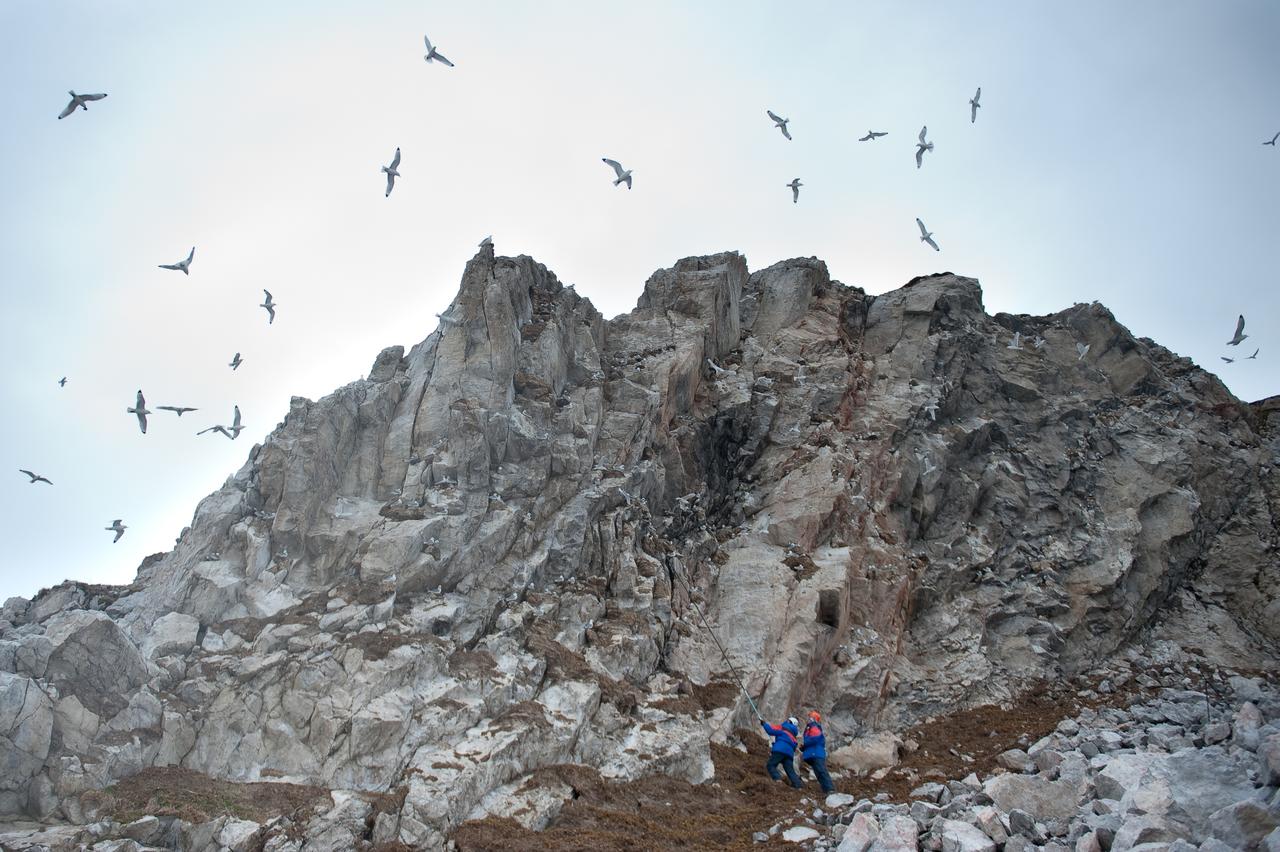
x=723 y=653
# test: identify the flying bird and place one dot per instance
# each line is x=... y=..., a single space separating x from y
x=795 y=189
x=623 y=174
x=35 y=477
x=117 y=528
x=1016 y=343
x=62 y=382
x=1039 y=342
x=140 y=409
x=780 y=122
x=176 y=409
x=237 y=361
x=1272 y=143
x=232 y=431
x=926 y=236
x=922 y=146
x=391 y=173
x=872 y=136
x=974 y=105
x=183 y=266
x=716 y=368
x=1253 y=356
x=1239 y=335
x=434 y=55
x=1082 y=349
x=79 y=102
x=1228 y=360
x=270 y=306
x=932 y=410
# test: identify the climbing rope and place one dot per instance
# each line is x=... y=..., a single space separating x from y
x=723 y=653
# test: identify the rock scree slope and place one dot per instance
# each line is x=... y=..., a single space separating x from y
x=478 y=565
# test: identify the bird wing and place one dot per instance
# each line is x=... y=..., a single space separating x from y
x=978 y=94
x=92 y=97
x=442 y=58
x=271 y=309
x=795 y=193
x=615 y=165
x=628 y=180
x=924 y=232
x=191 y=255
x=28 y=473
x=391 y=181
x=167 y=408
x=141 y=403
x=785 y=132
x=1239 y=325
x=427 y=41
x=235 y=421
x=865 y=138
x=170 y=266
x=775 y=117
x=71 y=107
x=919 y=156
x=1228 y=360
x=973 y=111
x=877 y=135
x=395 y=161
x=142 y=420
x=930 y=241
x=923 y=131
x=268 y=295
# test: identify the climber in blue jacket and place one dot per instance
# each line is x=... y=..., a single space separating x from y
x=784 y=750
x=815 y=751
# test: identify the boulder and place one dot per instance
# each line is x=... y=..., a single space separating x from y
x=1140 y=830
x=962 y=837
x=26 y=728
x=799 y=834
x=1244 y=824
x=897 y=834
x=174 y=633
x=1244 y=729
x=867 y=754
x=1041 y=798
x=91 y=658
x=861 y=832
x=1269 y=761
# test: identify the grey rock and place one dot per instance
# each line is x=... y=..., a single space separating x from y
x=1243 y=825
x=1040 y=798
x=962 y=837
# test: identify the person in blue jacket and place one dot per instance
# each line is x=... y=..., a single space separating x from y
x=815 y=751
x=784 y=750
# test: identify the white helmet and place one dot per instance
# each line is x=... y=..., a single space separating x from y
x=794 y=722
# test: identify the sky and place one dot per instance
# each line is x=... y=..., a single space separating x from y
x=1116 y=157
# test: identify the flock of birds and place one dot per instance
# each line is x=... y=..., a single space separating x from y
x=621 y=175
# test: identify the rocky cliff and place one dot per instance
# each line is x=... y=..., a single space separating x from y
x=494 y=554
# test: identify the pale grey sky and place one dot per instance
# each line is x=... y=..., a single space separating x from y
x=1117 y=157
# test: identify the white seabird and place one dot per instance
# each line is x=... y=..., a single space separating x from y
x=236 y=361
x=624 y=175
x=872 y=136
x=176 y=409
x=232 y=432
x=926 y=236
x=1239 y=335
x=434 y=55
x=183 y=266
x=780 y=122
x=140 y=409
x=79 y=102
x=1016 y=343
x=270 y=305
x=1082 y=349
x=922 y=146
x=974 y=105
x=35 y=477
x=795 y=189
x=392 y=173
x=117 y=528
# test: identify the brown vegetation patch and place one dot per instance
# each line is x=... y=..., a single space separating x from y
x=196 y=797
x=376 y=645
x=717 y=693
x=569 y=665
x=679 y=704
x=464 y=663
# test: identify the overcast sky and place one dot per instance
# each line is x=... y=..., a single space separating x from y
x=1117 y=157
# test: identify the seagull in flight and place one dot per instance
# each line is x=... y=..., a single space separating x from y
x=1016 y=343
x=716 y=368
x=232 y=431
x=922 y=146
x=35 y=477
x=79 y=102
x=932 y=410
x=391 y=172
x=1272 y=143
x=1039 y=342
x=140 y=409
x=974 y=105
x=183 y=266
x=236 y=361
x=1228 y=360
x=780 y=122
x=795 y=189
x=1082 y=349
x=434 y=55
x=926 y=236
x=623 y=174
x=872 y=136
x=176 y=409
x=1253 y=356
x=62 y=382
x=117 y=528
x=1239 y=335
x=270 y=306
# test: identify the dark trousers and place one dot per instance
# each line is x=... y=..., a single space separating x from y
x=787 y=762
x=818 y=765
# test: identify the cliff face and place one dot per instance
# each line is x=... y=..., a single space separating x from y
x=485 y=558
